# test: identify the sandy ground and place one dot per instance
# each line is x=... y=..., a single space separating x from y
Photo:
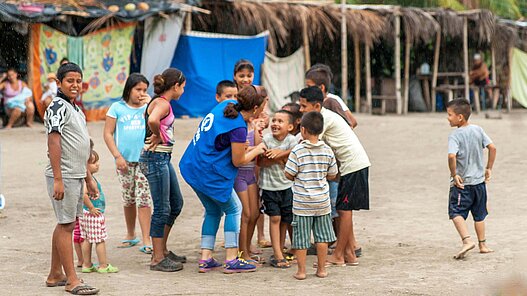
x=407 y=239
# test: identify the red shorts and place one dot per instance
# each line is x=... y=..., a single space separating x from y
x=77 y=238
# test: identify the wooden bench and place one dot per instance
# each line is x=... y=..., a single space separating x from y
x=383 y=99
x=495 y=91
x=449 y=89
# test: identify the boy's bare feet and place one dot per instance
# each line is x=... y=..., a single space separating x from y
x=467 y=246
x=483 y=249
x=299 y=276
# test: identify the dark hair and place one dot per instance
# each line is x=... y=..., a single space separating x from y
x=319 y=76
x=67 y=68
x=133 y=80
x=94 y=156
x=313 y=122
x=166 y=80
x=323 y=67
x=248 y=98
x=243 y=64
x=460 y=106
x=312 y=94
x=290 y=115
x=64 y=60
x=295 y=110
x=223 y=85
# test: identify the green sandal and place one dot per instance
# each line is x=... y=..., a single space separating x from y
x=93 y=268
x=108 y=269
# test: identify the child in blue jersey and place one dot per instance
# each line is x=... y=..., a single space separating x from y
x=124 y=132
x=93 y=226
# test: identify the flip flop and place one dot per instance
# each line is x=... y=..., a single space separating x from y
x=61 y=283
x=83 y=289
x=146 y=249
x=330 y=264
x=264 y=244
x=128 y=243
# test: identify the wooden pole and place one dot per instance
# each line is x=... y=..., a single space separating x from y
x=465 y=57
x=344 y=52
x=436 y=68
x=307 y=53
x=398 y=62
x=509 y=94
x=368 y=77
x=356 y=46
x=493 y=61
x=406 y=73
x=188 y=22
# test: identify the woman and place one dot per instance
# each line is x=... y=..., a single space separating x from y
x=155 y=165
x=124 y=131
x=210 y=165
x=17 y=99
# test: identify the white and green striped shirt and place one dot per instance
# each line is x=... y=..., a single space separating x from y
x=310 y=164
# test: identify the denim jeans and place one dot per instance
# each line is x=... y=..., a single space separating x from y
x=333 y=193
x=214 y=210
x=164 y=188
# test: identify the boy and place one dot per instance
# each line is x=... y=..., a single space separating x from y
x=276 y=188
x=226 y=90
x=353 y=189
x=68 y=153
x=465 y=161
x=309 y=164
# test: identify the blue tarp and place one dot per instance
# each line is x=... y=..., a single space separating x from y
x=206 y=59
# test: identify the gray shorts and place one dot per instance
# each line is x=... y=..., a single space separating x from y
x=70 y=207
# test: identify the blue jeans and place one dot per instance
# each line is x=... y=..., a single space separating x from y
x=214 y=210
x=164 y=188
x=333 y=193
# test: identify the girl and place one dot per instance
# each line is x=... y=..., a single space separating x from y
x=17 y=98
x=93 y=226
x=210 y=165
x=155 y=164
x=124 y=131
x=244 y=76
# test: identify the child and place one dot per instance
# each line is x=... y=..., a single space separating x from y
x=124 y=131
x=353 y=187
x=309 y=164
x=276 y=188
x=226 y=90
x=51 y=90
x=465 y=161
x=68 y=153
x=243 y=73
x=93 y=226
x=294 y=108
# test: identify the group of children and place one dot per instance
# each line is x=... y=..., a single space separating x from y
x=308 y=144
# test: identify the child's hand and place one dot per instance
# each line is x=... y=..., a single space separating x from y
x=488 y=175
x=145 y=98
x=458 y=182
x=272 y=153
x=91 y=187
x=121 y=165
x=152 y=142
x=95 y=211
x=58 y=189
x=261 y=148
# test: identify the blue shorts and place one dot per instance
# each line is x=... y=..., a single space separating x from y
x=472 y=198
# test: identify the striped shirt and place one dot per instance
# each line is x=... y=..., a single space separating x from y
x=310 y=164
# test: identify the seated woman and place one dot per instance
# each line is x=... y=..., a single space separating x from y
x=17 y=98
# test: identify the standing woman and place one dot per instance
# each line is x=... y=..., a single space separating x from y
x=124 y=132
x=210 y=165
x=155 y=164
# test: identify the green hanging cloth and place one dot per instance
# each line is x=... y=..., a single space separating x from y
x=75 y=50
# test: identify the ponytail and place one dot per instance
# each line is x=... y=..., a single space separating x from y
x=248 y=98
x=169 y=78
x=232 y=110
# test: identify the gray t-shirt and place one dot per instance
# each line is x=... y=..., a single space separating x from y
x=273 y=178
x=468 y=143
x=68 y=120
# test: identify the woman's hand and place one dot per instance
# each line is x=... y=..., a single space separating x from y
x=152 y=142
x=121 y=165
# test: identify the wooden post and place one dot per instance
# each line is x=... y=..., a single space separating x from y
x=398 y=62
x=368 y=77
x=356 y=46
x=465 y=57
x=307 y=53
x=436 y=68
x=493 y=61
x=344 y=53
x=509 y=94
x=406 y=73
x=188 y=22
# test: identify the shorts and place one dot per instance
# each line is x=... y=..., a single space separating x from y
x=77 y=238
x=93 y=228
x=244 y=178
x=472 y=198
x=321 y=227
x=279 y=203
x=354 y=193
x=134 y=187
x=70 y=207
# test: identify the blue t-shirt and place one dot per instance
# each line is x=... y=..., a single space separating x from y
x=129 y=129
x=99 y=203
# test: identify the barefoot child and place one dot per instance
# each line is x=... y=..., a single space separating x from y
x=93 y=226
x=309 y=164
x=465 y=161
x=68 y=153
x=276 y=188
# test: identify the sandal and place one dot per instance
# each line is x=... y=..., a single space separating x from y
x=167 y=265
x=61 y=283
x=282 y=263
x=109 y=269
x=264 y=244
x=93 y=268
x=290 y=258
x=83 y=289
x=128 y=243
x=146 y=249
x=259 y=259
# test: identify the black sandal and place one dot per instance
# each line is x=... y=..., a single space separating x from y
x=276 y=263
x=167 y=265
x=84 y=289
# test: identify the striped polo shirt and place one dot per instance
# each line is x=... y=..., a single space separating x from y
x=310 y=164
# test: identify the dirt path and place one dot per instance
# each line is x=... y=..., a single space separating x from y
x=407 y=238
